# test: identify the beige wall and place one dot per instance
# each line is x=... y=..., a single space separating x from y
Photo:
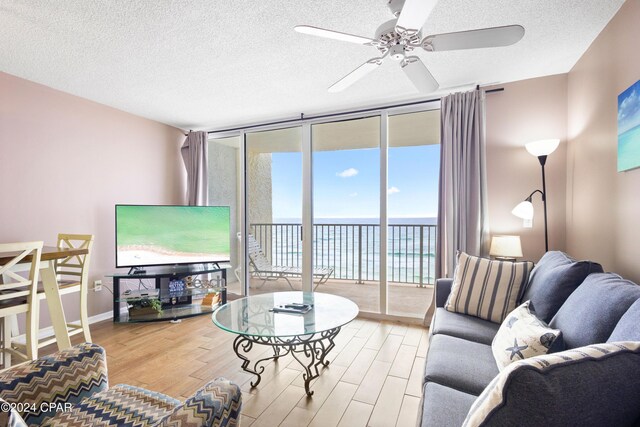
x=603 y=206
x=65 y=162
x=527 y=111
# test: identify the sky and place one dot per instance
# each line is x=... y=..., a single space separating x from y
x=346 y=183
x=629 y=108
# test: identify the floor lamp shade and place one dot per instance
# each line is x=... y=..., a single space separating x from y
x=524 y=210
x=506 y=247
x=543 y=147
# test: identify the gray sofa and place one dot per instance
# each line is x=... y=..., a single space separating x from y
x=588 y=306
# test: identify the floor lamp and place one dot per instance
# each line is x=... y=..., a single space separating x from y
x=540 y=149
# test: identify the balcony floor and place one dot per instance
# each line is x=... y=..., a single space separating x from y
x=404 y=299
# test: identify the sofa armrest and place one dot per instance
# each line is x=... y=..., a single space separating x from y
x=442 y=291
x=217 y=404
x=67 y=376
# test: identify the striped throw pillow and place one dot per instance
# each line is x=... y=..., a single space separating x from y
x=487 y=289
x=595 y=385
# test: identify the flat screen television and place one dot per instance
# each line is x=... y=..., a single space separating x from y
x=148 y=235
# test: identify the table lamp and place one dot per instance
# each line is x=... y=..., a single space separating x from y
x=505 y=248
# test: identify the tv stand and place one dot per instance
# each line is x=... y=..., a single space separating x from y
x=136 y=270
x=191 y=301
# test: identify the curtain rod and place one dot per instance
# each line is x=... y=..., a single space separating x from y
x=342 y=113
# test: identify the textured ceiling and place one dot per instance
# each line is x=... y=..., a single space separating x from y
x=204 y=64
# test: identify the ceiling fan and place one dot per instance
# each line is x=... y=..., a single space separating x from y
x=398 y=38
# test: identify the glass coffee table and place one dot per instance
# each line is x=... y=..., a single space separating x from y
x=308 y=337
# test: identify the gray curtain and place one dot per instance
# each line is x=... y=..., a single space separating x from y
x=195 y=155
x=462 y=196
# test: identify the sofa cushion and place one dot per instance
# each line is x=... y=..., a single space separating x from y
x=592 y=311
x=628 y=328
x=65 y=376
x=118 y=406
x=589 y=386
x=487 y=289
x=522 y=335
x=466 y=366
x=443 y=406
x=553 y=279
x=463 y=326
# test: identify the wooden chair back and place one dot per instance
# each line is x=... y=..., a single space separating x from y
x=18 y=294
x=74 y=268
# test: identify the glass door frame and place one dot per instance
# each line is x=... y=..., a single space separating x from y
x=307 y=187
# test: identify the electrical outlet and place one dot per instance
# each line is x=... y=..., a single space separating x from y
x=97 y=285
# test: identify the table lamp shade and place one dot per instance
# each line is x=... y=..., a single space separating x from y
x=506 y=247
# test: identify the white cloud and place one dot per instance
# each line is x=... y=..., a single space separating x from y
x=348 y=173
x=393 y=190
x=353 y=195
x=629 y=110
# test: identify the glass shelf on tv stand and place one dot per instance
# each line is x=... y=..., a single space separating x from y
x=173 y=313
x=166 y=294
x=188 y=302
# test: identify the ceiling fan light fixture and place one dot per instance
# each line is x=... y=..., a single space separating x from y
x=397 y=52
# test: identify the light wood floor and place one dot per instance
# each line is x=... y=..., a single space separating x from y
x=373 y=380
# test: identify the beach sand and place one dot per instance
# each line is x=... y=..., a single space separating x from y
x=134 y=256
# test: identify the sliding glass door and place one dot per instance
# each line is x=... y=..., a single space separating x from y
x=225 y=178
x=273 y=164
x=412 y=206
x=346 y=207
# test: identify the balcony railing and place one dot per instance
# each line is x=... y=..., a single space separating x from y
x=353 y=250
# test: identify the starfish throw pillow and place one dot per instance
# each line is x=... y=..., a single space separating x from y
x=523 y=335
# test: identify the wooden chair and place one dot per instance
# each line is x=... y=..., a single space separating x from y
x=73 y=276
x=18 y=294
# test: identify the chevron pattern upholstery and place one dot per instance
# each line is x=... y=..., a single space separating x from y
x=78 y=376
x=216 y=404
x=122 y=405
x=66 y=376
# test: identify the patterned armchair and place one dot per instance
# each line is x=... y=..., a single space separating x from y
x=70 y=388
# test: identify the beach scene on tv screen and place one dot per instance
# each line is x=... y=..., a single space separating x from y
x=154 y=235
x=629 y=128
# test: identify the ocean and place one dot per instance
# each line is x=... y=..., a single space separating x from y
x=629 y=149
x=167 y=229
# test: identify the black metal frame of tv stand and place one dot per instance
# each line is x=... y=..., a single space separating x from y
x=159 y=273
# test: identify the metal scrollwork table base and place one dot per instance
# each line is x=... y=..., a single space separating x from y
x=310 y=351
x=308 y=337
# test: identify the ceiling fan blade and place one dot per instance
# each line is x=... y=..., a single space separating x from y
x=419 y=75
x=355 y=75
x=413 y=16
x=474 y=39
x=330 y=34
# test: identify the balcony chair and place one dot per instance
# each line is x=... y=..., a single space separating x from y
x=71 y=388
x=261 y=267
x=18 y=295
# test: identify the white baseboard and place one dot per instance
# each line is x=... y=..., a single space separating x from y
x=48 y=331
